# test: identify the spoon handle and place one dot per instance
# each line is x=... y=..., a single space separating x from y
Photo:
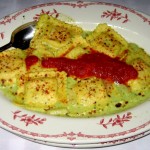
x=5 y=47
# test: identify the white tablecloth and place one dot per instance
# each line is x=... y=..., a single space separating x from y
x=9 y=141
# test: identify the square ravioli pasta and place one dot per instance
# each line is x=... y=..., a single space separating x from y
x=56 y=38
x=12 y=65
x=106 y=40
x=42 y=90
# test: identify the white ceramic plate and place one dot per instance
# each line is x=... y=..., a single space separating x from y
x=133 y=25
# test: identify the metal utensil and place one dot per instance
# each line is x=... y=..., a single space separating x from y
x=21 y=37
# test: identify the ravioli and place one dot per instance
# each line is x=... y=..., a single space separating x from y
x=89 y=97
x=55 y=38
x=55 y=92
x=44 y=91
x=106 y=40
x=12 y=65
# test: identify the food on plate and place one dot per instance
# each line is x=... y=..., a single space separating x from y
x=67 y=71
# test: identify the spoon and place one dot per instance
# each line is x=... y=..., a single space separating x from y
x=21 y=37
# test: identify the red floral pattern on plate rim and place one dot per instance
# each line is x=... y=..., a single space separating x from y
x=27 y=119
x=99 y=144
x=70 y=136
x=118 y=120
x=115 y=15
x=34 y=120
x=78 y=4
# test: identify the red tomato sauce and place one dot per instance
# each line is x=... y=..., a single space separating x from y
x=31 y=60
x=94 y=64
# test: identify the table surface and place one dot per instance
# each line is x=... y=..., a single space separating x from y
x=9 y=141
